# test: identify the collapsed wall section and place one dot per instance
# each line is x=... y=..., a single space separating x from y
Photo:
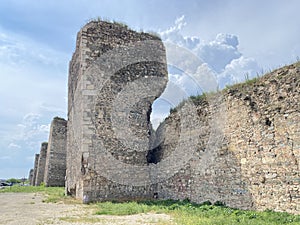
x=115 y=75
x=55 y=167
x=41 y=164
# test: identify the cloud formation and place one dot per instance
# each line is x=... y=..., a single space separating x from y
x=32 y=92
x=31 y=128
x=219 y=52
x=202 y=66
x=14 y=146
x=221 y=57
x=173 y=34
x=238 y=70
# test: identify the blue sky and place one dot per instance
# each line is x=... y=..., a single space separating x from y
x=37 y=38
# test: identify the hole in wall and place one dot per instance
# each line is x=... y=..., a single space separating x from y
x=154 y=155
x=160 y=111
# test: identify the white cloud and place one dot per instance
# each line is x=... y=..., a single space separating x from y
x=32 y=91
x=33 y=87
x=199 y=66
x=227 y=39
x=173 y=34
x=14 y=146
x=238 y=71
x=28 y=68
x=31 y=128
x=219 y=60
x=219 y=52
x=16 y=50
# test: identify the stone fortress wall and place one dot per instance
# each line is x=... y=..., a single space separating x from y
x=35 y=169
x=55 y=168
x=30 y=176
x=41 y=164
x=248 y=151
x=50 y=165
x=108 y=117
x=239 y=146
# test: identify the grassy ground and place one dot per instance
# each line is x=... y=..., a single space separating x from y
x=186 y=213
x=182 y=212
x=52 y=194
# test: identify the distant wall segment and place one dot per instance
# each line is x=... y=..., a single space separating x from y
x=55 y=168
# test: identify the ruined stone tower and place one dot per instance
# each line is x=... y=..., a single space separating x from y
x=55 y=167
x=239 y=146
x=41 y=164
x=115 y=75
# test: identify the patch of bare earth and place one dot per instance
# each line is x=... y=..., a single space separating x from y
x=29 y=209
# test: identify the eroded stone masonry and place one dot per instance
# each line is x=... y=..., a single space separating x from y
x=35 y=168
x=41 y=164
x=55 y=167
x=240 y=146
x=248 y=147
x=115 y=75
x=30 y=176
x=50 y=165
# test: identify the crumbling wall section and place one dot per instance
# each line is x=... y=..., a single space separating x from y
x=115 y=75
x=239 y=146
x=263 y=130
x=248 y=150
x=193 y=138
x=55 y=167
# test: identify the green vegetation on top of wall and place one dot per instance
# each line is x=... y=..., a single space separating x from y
x=242 y=87
x=124 y=25
x=58 y=118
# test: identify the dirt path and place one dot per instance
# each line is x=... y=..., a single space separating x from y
x=29 y=209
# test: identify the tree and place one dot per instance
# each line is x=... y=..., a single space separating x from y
x=13 y=181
